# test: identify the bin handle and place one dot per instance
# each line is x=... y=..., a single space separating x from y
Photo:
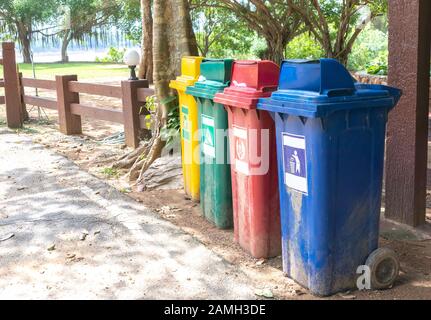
x=246 y=62
x=269 y=88
x=395 y=93
x=340 y=92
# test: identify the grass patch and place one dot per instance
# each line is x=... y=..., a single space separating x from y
x=27 y=130
x=125 y=190
x=84 y=70
x=110 y=172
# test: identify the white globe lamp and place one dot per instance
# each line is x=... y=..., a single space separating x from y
x=132 y=59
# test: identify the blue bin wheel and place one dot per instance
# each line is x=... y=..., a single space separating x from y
x=384 y=267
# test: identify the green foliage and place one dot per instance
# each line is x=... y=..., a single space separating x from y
x=114 y=55
x=304 y=47
x=337 y=24
x=150 y=103
x=26 y=130
x=170 y=133
x=219 y=33
x=24 y=13
x=125 y=190
x=378 y=69
x=174 y=119
x=151 y=106
x=80 y=17
x=27 y=11
x=110 y=172
x=370 y=52
x=6 y=37
x=130 y=20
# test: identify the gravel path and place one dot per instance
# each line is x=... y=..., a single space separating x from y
x=75 y=237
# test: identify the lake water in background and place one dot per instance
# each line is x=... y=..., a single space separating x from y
x=79 y=55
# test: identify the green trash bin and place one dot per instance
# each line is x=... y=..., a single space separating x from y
x=215 y=172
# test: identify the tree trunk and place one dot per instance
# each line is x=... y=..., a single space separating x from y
x=24 y=36
x=275 y=51
x=343 y=57
x=187 y=38
x=162 y=53
x=161 y=57
x=171 y=40
x=64 y=46
x=146 y=65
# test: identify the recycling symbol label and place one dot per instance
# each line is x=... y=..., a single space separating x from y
x=208 y=136
x=240 y=149
x=241 y=160
x=185 y=131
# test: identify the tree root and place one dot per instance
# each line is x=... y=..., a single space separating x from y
x=139 y=160
x=128 y=160
x=154 y=153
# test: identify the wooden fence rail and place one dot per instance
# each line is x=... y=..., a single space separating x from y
x=133 y=95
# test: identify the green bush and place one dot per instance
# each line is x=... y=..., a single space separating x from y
x=114 y=55
x=370 y=52
x=304 y=47
x=377 y=69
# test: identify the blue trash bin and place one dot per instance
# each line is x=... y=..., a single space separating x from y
x=330 y=148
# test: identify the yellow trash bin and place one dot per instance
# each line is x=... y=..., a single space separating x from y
x=190 y=71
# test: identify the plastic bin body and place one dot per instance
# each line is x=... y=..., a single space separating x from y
x=215 y=175
x=330 y=149
x=190 y=70
x=253 y=158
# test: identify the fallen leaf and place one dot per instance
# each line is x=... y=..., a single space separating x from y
x=347 y=295
x=299 y=292
x=266 y=293
x=70 y=256
x=83 y=236
x=260 y=262
x=7 y=237
x=164 y=210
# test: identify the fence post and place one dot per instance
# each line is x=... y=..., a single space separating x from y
x=14 y=116
x=407 y=138
x=131 y=110
x=69 y=123
x=25 y=116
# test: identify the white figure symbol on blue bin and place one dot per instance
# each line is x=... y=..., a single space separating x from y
x=295 y=163
x=295 y=169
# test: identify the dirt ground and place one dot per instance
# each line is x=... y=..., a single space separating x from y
x=92 y=154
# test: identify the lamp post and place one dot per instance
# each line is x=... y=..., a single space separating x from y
x=131 y=59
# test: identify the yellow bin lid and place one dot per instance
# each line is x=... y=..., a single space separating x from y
x=190 y=72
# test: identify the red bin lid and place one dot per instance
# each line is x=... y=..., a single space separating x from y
x=251 y=80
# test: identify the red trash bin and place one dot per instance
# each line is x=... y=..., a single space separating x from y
x=253 y=158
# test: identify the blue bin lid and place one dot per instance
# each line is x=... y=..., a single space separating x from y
x=316 y=88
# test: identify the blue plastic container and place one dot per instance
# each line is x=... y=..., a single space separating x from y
x=330 y=144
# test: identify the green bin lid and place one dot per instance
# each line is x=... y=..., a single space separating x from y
x=215 y=76
x=219 y=70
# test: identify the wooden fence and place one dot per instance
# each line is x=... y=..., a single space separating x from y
x=133 y=95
